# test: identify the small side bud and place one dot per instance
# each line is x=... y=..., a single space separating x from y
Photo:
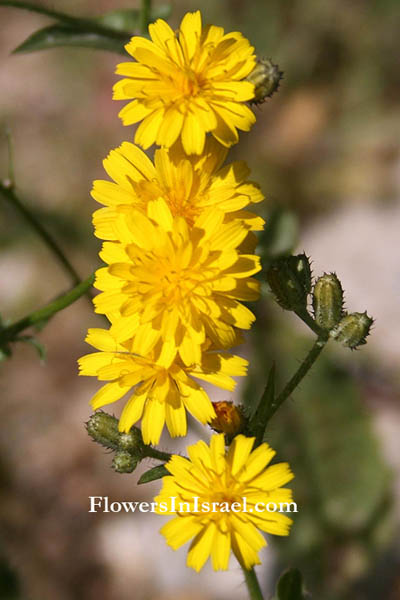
x=328 y=301
x=290 y=281
x=353 y=330
x=266 y=78
x=103 y=428
x=229 y=418
x=124 y=462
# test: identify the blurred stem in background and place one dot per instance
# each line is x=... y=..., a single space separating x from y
x=7 y=191
x=145 y=16
x=38 y=317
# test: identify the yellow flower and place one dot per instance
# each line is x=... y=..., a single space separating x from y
x=187 y=84
x=163 y=390
x=212 y=475
x=188 y=184
x=168 y=281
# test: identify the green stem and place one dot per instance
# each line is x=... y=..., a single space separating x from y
x=253 y=587
x=145 y=15
x=305 y=316
x=8 y=334
x=297 y=377
x=9 y=194
x=154 y=453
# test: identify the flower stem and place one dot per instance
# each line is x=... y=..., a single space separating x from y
x=154 y=453
x=297 y=377
x=8 y=334
x=253 y=586
x=145 y=15
x=9 y=194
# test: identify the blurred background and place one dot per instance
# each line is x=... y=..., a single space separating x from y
x=325 y=151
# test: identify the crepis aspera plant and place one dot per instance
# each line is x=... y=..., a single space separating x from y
x=179 y=267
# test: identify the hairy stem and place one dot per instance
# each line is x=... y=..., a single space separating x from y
x=297 y=377
x=253 y=586
x=154 y=453
x=8 y=334
x=305 y=316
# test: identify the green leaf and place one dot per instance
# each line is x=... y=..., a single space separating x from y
x=259 y=421
x=154 y=473
x=290 y=586
x=110 y=32
x=128 y=20
x=55 y=36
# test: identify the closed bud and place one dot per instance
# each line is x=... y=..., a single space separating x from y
x=266 y=78
x=131 y=441
x=103 y=428
x=124 y=462
x=328 y=301
x=290 y=281
x=229 y=418
x=353 y=330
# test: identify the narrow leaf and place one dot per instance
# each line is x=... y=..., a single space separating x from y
x=290 y=586
x=259 y=421
x=154 y=473
x=55 y=36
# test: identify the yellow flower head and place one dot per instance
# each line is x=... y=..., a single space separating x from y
x=188 y=184
x=187 y=84
x=220 y=481
x=177 y=283
x=163 y=390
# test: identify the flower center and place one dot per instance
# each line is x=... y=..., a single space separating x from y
x=176 y=284
x=189 y=83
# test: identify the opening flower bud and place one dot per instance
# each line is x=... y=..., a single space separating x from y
x=328 y=301
x=353 y=330
x=229 y=419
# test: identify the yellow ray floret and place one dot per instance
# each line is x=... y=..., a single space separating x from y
x=182 y=285
x=186 y=84
x=188 y=184
x=163 y=390
x=220 y=480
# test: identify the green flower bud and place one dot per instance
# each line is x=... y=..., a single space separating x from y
x=290 y=281
x=124 y=462
x=131 y=441
x=266 y=78
x=103 y=428
x=328 y=301
x=352 y=330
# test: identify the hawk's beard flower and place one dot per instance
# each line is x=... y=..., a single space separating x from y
x=163 y=390
x=213 y=475
x=187 y=84
x=177 y=283
x=188 y=184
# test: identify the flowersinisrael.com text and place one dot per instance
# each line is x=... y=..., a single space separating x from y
x=102 y=504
